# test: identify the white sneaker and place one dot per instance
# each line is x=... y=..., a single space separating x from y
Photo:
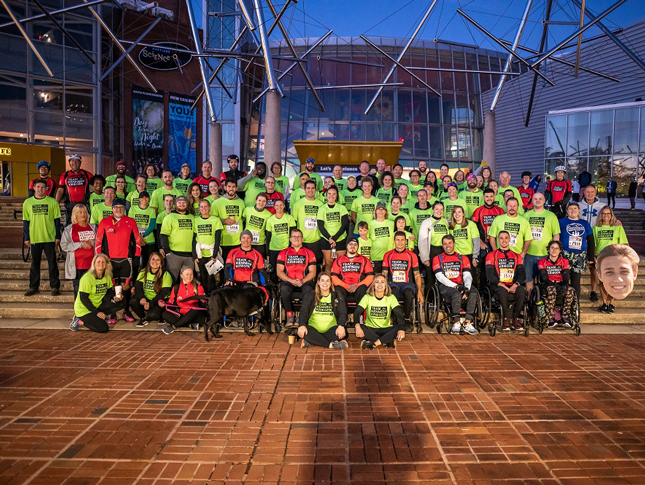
x=470 y=328
x=456 y=327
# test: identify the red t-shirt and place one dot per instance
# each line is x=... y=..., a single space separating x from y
x=296 y=262
x=505 y=264
x=401 y=265
x=76 y=184
x=245 y=263
x=558 y=188
x=271 y=198
x=527 y=196
x=485 y=216
x=82 y=256
x=350 y=270
x=554 y=270
x=203 y=183
x=51 y=185
x=452 y=266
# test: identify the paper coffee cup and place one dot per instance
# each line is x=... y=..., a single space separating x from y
x=118 y=290
x=292 y=339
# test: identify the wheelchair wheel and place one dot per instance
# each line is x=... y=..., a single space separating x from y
x=431 y=307
x=416 y=319
x=485 y=303
x=527 y=319
x=26 y=252
x=492 y=330
x=479 y=315
x=275 y=315
x=577 y=330
x=575 y=312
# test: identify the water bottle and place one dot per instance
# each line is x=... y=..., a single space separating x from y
x=541 y=310
x=333 y=253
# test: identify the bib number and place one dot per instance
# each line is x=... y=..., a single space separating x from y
x=141 y=230
x=256 y=237
x=311 y=224
x=506 y=275
x=513 y=240
x=536 y=232
x=398 y=276
x=233 y=228
x=575 y=242
x=451 y=274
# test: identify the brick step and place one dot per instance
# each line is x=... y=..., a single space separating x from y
x=45 y=297
x=23 y=285
x=19 y=264
x=625 y=316
x=64 y=310
x=632 y=302
x=23 y=274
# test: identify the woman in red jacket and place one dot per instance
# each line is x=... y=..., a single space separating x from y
x=180 y=310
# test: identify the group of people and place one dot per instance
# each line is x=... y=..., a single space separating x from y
x=149 y=247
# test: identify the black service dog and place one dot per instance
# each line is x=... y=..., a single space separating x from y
x=238 y=302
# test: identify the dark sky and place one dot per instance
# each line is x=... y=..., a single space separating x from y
x=389 y=18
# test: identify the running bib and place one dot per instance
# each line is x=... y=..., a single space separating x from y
x=311 y=223
x=513 y=240
x=506 y=275
x=142 y=230
x=256 y=237
x=398 y=276
x=536 y=232
x=233 y=228
x=84 y=236
x=451 y=274
x=575 y=242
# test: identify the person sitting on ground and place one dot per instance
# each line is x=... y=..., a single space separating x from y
x=352 y=273
x=505 y=274
x=181 y=310
x=244 y=265
x=378 y=307
x=554 y=274
x=151 y=290
x=607 y=232
x=323 y=316
x=453 y=274
x=401 y=268
x=96 y=297
x=296 y=270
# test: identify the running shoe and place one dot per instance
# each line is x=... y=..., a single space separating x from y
x=368 y=344
x=305 y=344
x=390 y=345
x=168 y=329
x=593 y=296
x=76 y=323
x=127 y=317
x=552 y=324
x=456 y=327
x=111 y=319
x=611 y=308
x=339 y=345
x=604 y=308
x=142 y=323
x=566 y=323
x=506 y=325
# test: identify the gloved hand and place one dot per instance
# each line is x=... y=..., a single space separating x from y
x=268 y=267
x=461 y=288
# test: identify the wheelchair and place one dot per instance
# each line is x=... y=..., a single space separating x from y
x=540 y=323
x=495 y=324
x=415 y=315
x=439 y=312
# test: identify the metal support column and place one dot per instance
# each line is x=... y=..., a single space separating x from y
x=266 y=49
x=202 y=63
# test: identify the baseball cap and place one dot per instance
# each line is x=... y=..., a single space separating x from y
x=352 y=239
x=471 y=176
x=118 y=202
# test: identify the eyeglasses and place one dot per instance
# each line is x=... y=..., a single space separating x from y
x=296 y=237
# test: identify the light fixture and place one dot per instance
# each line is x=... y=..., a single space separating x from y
x=21 y=135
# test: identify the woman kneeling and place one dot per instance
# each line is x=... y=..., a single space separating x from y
x=323 y=316
x=151 y=290
x=96 y=297
x=378 y=306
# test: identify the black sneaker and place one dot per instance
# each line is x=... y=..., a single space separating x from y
x=305 y=344
x=593 y=296
x=194 y=326
x=168 y=329
x=56 y=292
x=339 y=345
x=611 y=308
x=368 y=344
x=390 y=345
x=603 y=308
x=142 y=323
x=32 y=291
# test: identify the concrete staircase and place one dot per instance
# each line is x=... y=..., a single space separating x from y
x=632 y=220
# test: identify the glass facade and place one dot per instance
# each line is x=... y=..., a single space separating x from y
x=35 y=108
x=608 y=141
x=438 y=129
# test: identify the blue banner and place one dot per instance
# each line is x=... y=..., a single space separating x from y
x=182 y=133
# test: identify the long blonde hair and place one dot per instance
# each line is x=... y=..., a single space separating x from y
x=78 y=208
x=612 y=222
x=108 y=266
x=318 y=293
x=372 y=291
x=453 y=221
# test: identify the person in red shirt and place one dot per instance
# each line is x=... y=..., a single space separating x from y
x=43 y=170
x=205 y=178
x=505 y=273
x=453 y=273
x=272 y=194
x=352 y=273
x=554 y=273
x=401 y=268
x=78 y=241
x=73 y=185
x=485 y=215
x=233 y=173
x=296 y=269
x=558 y=192
x=526 y=192
x=180 y=310
x=118 y=238
x=245 y=264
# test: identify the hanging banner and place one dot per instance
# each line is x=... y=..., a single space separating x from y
x=182 y=133
x=147 y=129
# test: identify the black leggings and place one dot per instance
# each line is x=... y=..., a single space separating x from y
x=287 y=290
x=154 y=313
x=430 y=279
x=314 y=337
x=193 y=316
x=92 y=321
x=385 y=335
x=505 y=299
x=207 y=280
x=611 y=198
x=575 y=282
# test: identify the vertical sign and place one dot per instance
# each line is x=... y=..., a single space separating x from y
x=147 y=129
x=182 y=134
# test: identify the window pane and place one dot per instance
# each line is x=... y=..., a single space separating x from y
x=600 y=139
x=626 y=130
x=48 y=126
x=642 y=149
x=550 y=165
x=578 y=134
x=600 y=169
x=555 y=136
x=624 y=168
x=13 y=115
x=575 y=166
x=436 y=142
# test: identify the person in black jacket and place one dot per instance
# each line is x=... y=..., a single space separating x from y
x=151 y=290
x=323 y=316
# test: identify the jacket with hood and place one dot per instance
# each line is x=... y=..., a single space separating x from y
x=589 y=212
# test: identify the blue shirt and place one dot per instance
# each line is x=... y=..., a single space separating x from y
x=573 y=234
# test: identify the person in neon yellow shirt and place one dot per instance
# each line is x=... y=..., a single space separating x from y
x=382 y=235
x=386 y=190
x=363 y=207
x=282 y=184
x=517 y=227
x=379 y=306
